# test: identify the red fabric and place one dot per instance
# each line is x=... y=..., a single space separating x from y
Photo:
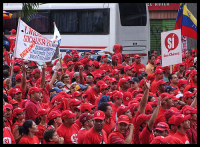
x=92 y=95
x=176 y=91
x=48 y=69
x=31 y=109
x=16 y=123
x=136 y=129
x=189 y=62
x=28 y=140
x=189 y=32
x=78 y=124
x=192 y=133
x=81 y=135
x=8 y=137
x=106 y=67
x=93 y=137
x=108 y=126
x=154 y=86
x=145 y=136
x=85 y=61
x=41 y=131
x=116 y=138
x=11 y=39
x=139 y=68
x=119 y=55
x=68 y=133
x=114 y=108
x=160 y=117
x=182 y=137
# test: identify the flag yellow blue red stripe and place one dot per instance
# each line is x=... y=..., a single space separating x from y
x=179 y=17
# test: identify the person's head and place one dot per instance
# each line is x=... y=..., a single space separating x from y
x=18 y=94
x=169 y=89
x=41 y=116
x=86 y=120
x=182 y=66
x=159 y=74
x=68 y=118
x=99 y=120
x=134 y=82
x=87 y=68
x=122 y=124
x=173 y=78
x=28 y=126
x=137 y=59
x=51 y=92
x=9 y=110
x=117 y=97
x=161 y=129
x=188 y=97
x=18 y=113
x=124 y=83
x=127 y=58
x=161 y=84
x=4 y=121
x=50 y=135
x=13 y=32
x=104 y=88
x=166 y=100
x=128 y=70
x=65 y=78
x=192 y=111
x=86 y=54
x=89 y=78
x=106 y=108
x=188 y=53
x=36 y=73
x=113 y=84
x=182 y=121
x=151 y=59
x=35 y=93
x=142 y=120
x=104 y=58
x=154 y=52
x=54 y=118
x=115 y=74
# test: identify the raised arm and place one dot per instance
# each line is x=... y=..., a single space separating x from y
x=53 y=78
x=42 y=82
x=23 y=83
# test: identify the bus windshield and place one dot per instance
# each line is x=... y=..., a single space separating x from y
x=133 y=14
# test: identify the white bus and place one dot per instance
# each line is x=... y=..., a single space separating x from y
x=91 y=26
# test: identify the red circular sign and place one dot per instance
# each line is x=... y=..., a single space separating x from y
x=171 y=41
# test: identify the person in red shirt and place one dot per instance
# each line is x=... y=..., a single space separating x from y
x=12 y=37
x=193 y=80
x=134 y=84
x=32 y=106
x=161 y=84
x=8 y=137
x=189 y=61
x=173 y=79
x=105 y=65
x=8 y=114
x=192 y=132
x=124 y=133
x=96 y=135
x=158 y=76
x=140 y=67
x=51 y=137
x=29 y=128
x=86 y=59
x=87 y=123
x=54 y=120
x=173 y=128
x=66 y=59
x=117 y=97
x=68 y=130
x=124 y=85
x=109 y=122
x=166 y=103
x=36 y=76
x=183 y=123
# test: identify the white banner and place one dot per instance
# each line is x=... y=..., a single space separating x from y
x=31 y=45
x=171 y=47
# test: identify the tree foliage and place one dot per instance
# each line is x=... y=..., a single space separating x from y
x=29 y=10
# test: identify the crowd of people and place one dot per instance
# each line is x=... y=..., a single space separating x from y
x=85 y=101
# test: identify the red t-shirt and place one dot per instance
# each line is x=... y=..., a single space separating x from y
x=31 y=109
x=93 y=137
x=81 y=135
x=160 y=117
x=119 y=55
x=108 y=126
x=136 y=129
x=192 y=133
x=48 y=70
x=16 y=123
x=41 y=129
x=11 y=39
x=114 y=108
x=92 y=95
x=176 y=91
x=146 y=136
x=182 y=137
x=68 y=133
x=139 y=68
x=28 y=140
x=8 y=137
x=189 y=62
x=154 y=86
x=106 y=67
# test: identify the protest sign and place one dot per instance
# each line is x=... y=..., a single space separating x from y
x=171 y=47
x=31 y=45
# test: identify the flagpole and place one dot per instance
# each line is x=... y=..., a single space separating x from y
x=15 y=51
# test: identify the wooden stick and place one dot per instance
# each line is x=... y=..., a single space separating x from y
x=171 y=68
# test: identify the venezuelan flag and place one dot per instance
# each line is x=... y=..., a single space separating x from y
x=189 y=24
x=6 y=15
x=179 y=17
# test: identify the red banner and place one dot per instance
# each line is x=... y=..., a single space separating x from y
x=163 y=6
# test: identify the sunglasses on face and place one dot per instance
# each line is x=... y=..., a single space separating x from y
x=18 y=93
x=66 y=76
x=89 y=76
x=4 y=121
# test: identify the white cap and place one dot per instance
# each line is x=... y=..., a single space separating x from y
x=179 y=95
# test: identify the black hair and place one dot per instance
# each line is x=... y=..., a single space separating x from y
x=191 y=89
x=103 y=106
x=122 y=70
x=149 y=98
x=98 y=58
x=152 y=51
x=37 y=120
x=5 y=73
x=85 y=52
x=24 y=129
x=189 y=51
x=5 y=66
x=86 y=67
x=48 y=134
x=150 y=56
x=140 y=77
x=51 y=90
x=5 y=97
x=170 y=76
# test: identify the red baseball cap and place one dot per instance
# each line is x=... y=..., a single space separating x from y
x=18 y=77
x=8 y=106
x=187 y=72
x=160 y=82
x=85 y=107
x=70 y=63
x=122 y=80
x=92 y=51
x=118 y=95
x=16 y=111
x=16 y=68
x=33 y=89
x=193 y=72
x=157 y=71
x=100 y=82
x=126 y=55
x=169 y=112
x=166 y=67
x=67 y=56
x=115 y=57
x=171 y=119
x=180 y=118
x=189 y=110
x=67 y=114
x=127 y=68
x=106 y=78
x=78 y=64
x=17 y=90
x=115 y=71
x=95 y=63
x=142 y=82
x=123 y=118
x=76 y=93
x=137 y=56
x=164 y=95
x=137 y=91
x=127 y=97
x=42 y=112
x=187 y=94
x=99 y=115
x=157 y=61
x=97 y=76
x=162 y=126
x=75 y=51
x=13 y=101
x=104 y=86
x=84 y=117
x=121 y=110
x=53 y=114
x=76 y=56
x=13 y=31
x=148 y=108
x=142 y=117
x=36 y=70
x=112 y=80
x=103 y=56
x=183 y=63
x=181 y=82
x=73 y=102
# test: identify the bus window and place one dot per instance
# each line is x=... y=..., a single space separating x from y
x=133 y=14
x=66 y=20
x=93 y=21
